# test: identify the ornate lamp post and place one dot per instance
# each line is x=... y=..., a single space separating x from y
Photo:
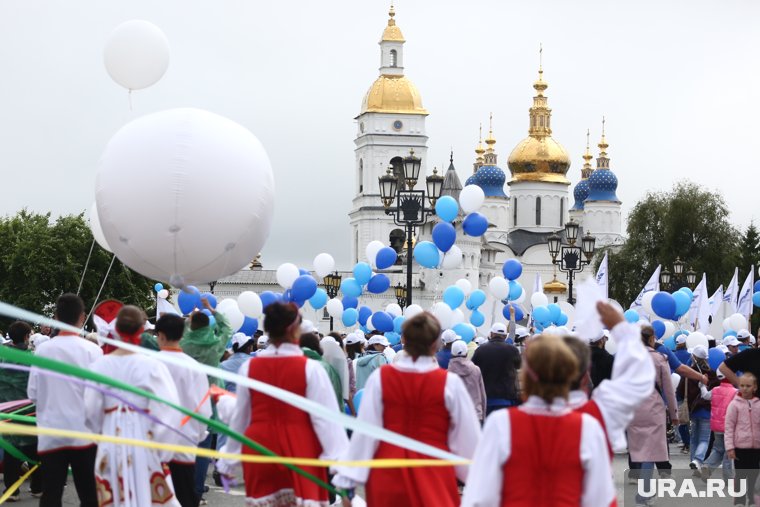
x=409 y=211
x=571 y=259
x=332 y=285
x=400 y=291
x=674 y=281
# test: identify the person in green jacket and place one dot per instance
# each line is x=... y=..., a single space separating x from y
x=12 y=388
x=311 y=349
x=205 y=342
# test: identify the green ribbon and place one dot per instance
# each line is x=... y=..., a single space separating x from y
x=22 y=418
x=22 y=357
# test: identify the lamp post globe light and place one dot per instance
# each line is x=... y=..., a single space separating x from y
x=332 y=285
x=677 y=279
x=409 y=210
x=572 y=258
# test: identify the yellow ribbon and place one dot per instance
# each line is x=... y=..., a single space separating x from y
x=20 y=429
x=17 y=484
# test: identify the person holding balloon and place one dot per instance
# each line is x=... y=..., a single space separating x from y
x=420 y=400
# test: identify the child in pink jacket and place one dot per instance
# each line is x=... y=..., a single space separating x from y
x=719 y=397
x=743 y=434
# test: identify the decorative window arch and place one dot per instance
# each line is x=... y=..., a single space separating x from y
x=538 y=210
x=561 y=211
x=394 y=58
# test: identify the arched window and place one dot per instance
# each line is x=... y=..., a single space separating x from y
x=561 y=211
x=361 y=175
x=538 y=211
x=394 y=58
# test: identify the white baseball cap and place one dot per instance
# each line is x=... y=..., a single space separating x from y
x=449 y=336
x=308 y=326
x=743 y=334
x=731 y=341
x=378 y=339
x=603 y=334
x=522 y=332
x=353 y=338
x=681 y=338
x=240 y=339
x=499 y=328
x=263 y=340
x=480 y=340
x=459 y=348
x=38 y=339
x=699 y=351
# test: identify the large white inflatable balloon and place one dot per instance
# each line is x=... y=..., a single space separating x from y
x=335 y=308
x=737 y=322
x=157 y=190
x=136 y=54
x=323 y=264
x=97 y=231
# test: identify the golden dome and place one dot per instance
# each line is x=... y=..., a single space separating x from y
x=539 y=157
x=393 y=94
x=392 y=33
x=555 y=287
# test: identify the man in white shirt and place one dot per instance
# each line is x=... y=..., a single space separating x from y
x=61 y=405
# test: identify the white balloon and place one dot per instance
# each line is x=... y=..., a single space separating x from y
x=457 y=316
x=412 y=310
x=610 y=346
x=287 y=274
x=737 y=322
x=229 y=308
x=250 y=304
x=136 y=54
x=726 y=324
x=538 y=299
x=369 y=324
x=372 y=248
x=696 y=338
x=163 y=294
x=471 y=198
x=646 y=302
x=224 y=304
x=176 y=162
x=97 y=231
x=324 y=264
x=453 y=258
x=499 y=287
x=568 y=310
x=616 y=305
x=394 y=309
x=670 y=329
x=335 y=308
x=520 y=299
x=465 y=285
x=443 y=313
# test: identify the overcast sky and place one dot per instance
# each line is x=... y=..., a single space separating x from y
x=678 y=80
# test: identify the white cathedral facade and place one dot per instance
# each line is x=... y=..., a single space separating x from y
x=523 y=210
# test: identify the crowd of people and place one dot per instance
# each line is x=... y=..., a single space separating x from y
x=515 y=405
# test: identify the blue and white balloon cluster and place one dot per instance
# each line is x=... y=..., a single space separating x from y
x=756 y=294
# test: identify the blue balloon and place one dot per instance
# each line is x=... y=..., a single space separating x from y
x=249 y=327
x=267 y=298
x=386 y=257
x=515 y=290
x=664 y=305
x=365 y=312
x=362 y=273
x=670 y=343
x=319 y=299
x=304 y=287
x=397 y=323
x=453 y=296
x=444 y=236
x=378 y=284
x=158 y=287
x=687 y=291
x=519 y=314
x=631 y=316
x=465 y=331
x=563 y=318
x=286 y=296
x=394 y=338
x=447 y=208
x=189 y=299
x=364 y=329
x=210 y=298
x=358 y=399
x=756 y=287
x=542 y=315
x=715 y=356
x=680 y=332
x=659 y=328
x=426 y=254
x=477 y=318
x=730 y=332
x=302 y=271
x=476 y=299
x=350 y=287
x=349 y=317
x=756 y=298
x=382 y=321
x=475 y=224
x=350 y=302
x=512 y=269
x=683 y=302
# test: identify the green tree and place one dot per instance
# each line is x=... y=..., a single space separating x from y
x=749 y=248
x=689 y=222
x=41 y=259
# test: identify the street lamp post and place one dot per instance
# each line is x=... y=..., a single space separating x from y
x=400 y=291
x=673 y=281
x=409 y=211
x=332 y=285
x=571 y=260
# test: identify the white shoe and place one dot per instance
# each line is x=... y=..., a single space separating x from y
x=695 y=465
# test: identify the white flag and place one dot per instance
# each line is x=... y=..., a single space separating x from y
x=732 y=291
x=699 y=313
x=652 y=285
x=744 y=305
x=538 y=284
x=602 y=277
x=715 y=301
x=163 y=306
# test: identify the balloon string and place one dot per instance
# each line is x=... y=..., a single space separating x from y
x=105 y=278
x=129 y=99
x=87 y=263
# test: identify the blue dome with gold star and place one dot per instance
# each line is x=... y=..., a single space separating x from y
x=491 y=179
x=581 y=194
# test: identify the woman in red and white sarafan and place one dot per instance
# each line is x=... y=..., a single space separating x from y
x=416 y=398
x=541 y=453
x=282 y=428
